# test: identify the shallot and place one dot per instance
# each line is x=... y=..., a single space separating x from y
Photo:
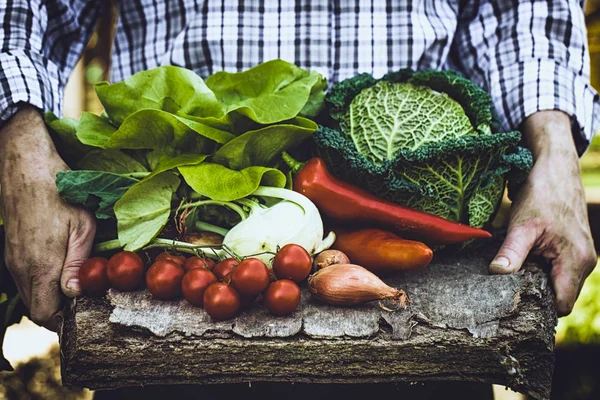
x=349 y=284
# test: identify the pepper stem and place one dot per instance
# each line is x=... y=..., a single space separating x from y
x=294 y=164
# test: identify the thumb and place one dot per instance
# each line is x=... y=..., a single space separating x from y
x=81 y=239
x=519 y=241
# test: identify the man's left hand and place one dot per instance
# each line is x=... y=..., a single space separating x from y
x=549 y=214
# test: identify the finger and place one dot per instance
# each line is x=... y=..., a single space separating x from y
x=566 y=287
x=568 y=275
x=519 y=241
x=79 y=246
x=46 y=299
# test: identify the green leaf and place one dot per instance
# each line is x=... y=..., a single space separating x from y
x=172 y=89
x=221 y=183
x=94 y=130
x=157 y=129
x=439 y=178
x=316 y=100
x=144 y=210
x=95 y=190
x=260 y=147
x=66 y=131
x=485 y=202
x=271 y=92
x=166 y=162
x=387 y=117
x=110 y=161
x=3 y=297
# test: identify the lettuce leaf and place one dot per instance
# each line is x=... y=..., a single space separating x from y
x=218 y=182
x=144 y=210
x=97 y=191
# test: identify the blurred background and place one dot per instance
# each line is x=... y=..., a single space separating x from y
x=34 y=352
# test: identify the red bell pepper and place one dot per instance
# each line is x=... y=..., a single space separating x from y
x=345 y=202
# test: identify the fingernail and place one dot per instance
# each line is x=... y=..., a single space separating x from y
x=73 y=284
x=500 y=263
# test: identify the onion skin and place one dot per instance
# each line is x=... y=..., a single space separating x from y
x=330 y=257
x=349 y=284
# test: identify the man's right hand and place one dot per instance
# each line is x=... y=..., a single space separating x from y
x=47 y=240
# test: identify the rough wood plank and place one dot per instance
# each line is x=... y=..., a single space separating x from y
x=462 y=325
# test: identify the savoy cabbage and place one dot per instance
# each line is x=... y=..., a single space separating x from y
x=428 y=140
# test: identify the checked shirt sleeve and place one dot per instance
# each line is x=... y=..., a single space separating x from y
x=41 y=43
x=530 y=56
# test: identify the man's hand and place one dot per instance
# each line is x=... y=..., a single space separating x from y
x=549 y=214
x=46 y=239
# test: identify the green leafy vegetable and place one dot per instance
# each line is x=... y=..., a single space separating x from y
x=94 y=130
x=110 y=161
x=97 y=191
x=387 y=117
x=156 y=129
x=424 y=140
x=221 y=183
x=171 y=89
x=271 y=92
x=262 y=146
x=223 y=136
x=144 y=210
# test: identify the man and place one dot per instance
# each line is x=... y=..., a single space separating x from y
x=530 y=55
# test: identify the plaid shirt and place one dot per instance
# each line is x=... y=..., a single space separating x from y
x=529 y=55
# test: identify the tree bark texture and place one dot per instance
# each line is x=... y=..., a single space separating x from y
x=462 y=324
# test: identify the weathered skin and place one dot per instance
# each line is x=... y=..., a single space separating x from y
x=549 y=215
x=47 y=240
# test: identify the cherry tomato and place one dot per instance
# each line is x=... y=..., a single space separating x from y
x=194 y=284
x=282 y=297
x=221 y=301
x=93 y=277
x=125 y=271
x=170 y=257
x=163 y=279
x=251 y=276
x=199 y=262
x=224 y=267
x=292 y=262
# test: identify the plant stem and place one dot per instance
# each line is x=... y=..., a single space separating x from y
x=110 y=245
x=205 y=226
x=294 y=164
x=138 y=174
x=251 y=204
x=286 y=194
x=239 y=210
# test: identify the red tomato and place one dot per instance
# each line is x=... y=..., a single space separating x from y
x=170 y=257
x=163 y=279
x=224 y=267
x=93 y=277
x=221 y=301
x=125 y=271
x=282 y=297
x=292 y=262
x=194 y=285
x=251 y=276
x=199 y=262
